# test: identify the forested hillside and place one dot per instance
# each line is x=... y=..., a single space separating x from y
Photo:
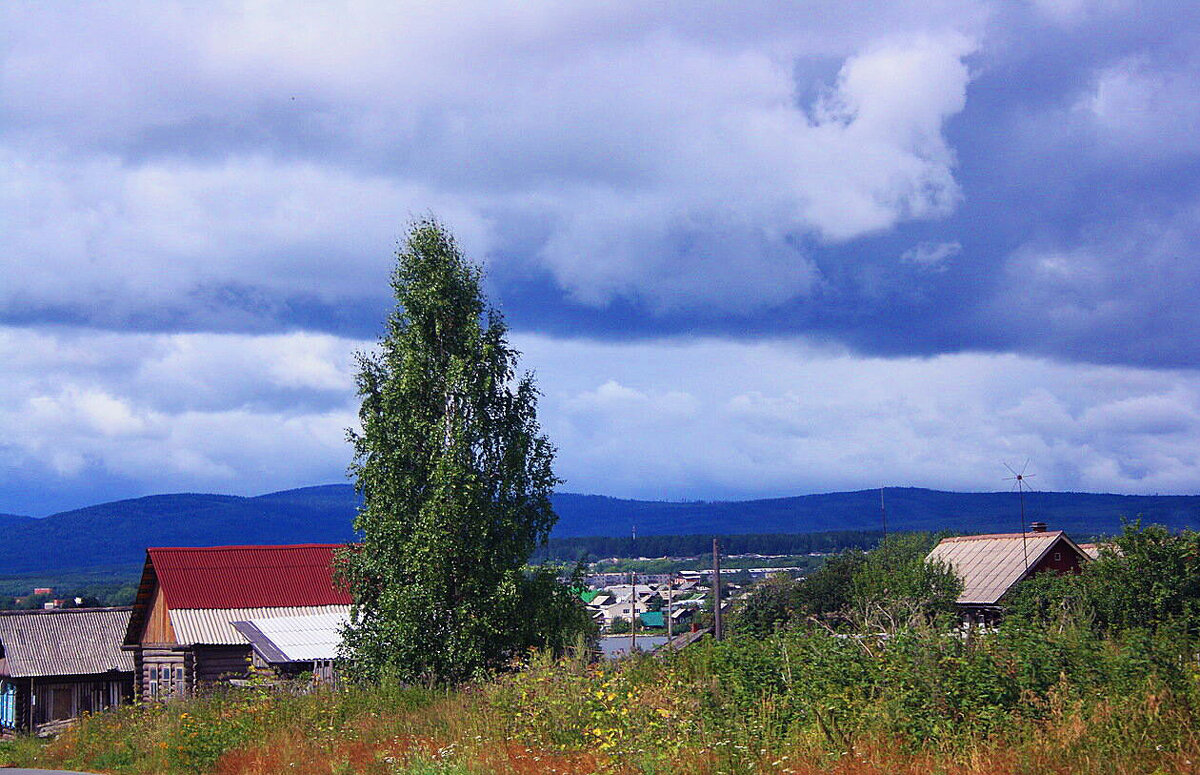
x=118 y=533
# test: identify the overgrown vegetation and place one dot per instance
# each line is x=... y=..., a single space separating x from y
x=1023 y=700
x=1068 y=683
x=1146 y=578
x=886 y=590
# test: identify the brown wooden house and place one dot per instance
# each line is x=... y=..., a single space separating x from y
x=181 y=631
x=56 y=664
x=991 y=566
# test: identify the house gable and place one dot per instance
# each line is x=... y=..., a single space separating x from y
x=990 y=566
x=157 y=628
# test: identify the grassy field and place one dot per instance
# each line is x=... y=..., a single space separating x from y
x=1020 y=702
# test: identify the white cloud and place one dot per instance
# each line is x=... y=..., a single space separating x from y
x=932 y=256
x=1118 y=291
x=1138 y=107
x=278 y=148
x=712 y=222
x=122 y=241
x=786 y=417
x=169 y=412
x=665 y=419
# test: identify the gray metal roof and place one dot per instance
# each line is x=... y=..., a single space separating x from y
x=214 y=626
x=295 y=638
x=989 y=565
x=64 y=641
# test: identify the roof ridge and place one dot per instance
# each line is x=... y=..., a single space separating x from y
x=982 y=536
x=240 y=547
x=46 y=611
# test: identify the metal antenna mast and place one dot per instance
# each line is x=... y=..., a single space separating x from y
x=883 y=511
x=1020 y=482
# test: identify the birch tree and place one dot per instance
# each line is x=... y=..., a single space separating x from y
x=456 y=477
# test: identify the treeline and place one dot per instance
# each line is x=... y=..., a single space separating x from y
x=94 y=588
x=594 y=547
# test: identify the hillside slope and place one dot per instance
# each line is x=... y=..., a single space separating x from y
x=908 y=508
x=118 y=533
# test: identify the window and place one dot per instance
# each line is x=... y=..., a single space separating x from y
x=165 y=681
x=1057 y=556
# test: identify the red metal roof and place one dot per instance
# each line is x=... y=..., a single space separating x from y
x=248 y=576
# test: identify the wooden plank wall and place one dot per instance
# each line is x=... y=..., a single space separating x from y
x=217 y=663
x=158 y=627
x=66 y=697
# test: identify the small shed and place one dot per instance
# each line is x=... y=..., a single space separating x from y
x=56 y=664
x=992 y=565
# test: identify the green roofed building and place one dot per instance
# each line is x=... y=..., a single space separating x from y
x=653 y=619
x=588 y=595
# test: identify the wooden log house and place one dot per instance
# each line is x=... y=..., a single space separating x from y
x=181 y=631
x=56 y=664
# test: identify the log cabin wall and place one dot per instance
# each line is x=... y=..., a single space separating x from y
x=217 y=663
x=165 y=672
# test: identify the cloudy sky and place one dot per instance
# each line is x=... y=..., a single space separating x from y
x=749 y=249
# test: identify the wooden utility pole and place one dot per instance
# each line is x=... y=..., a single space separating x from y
x=670 y=584
x=634 y=619
x=883 y=511
x=716 y=589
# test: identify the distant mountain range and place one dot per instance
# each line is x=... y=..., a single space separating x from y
x=118 y=533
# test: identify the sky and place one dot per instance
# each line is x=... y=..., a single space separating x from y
x=748 y=249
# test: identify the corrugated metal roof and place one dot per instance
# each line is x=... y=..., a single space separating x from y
x=214 y=626
x=653 y=619
x=295 y=638
x=990 y=564
x=229 y=577
x=67 y=641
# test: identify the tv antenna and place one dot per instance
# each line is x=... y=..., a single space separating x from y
x=1020 y=481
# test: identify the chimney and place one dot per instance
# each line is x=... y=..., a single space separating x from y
x=1037 y=527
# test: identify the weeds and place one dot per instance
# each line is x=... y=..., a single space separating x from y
x=804 y=702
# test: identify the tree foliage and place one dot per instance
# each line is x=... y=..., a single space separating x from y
x=1146 y=578
x=886 y=589
x=898 y=587
x=832 y=541
x=456 y=478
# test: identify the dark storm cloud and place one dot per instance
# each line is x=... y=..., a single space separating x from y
x=699 y=172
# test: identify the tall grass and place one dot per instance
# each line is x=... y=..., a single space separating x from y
x=804 y=702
